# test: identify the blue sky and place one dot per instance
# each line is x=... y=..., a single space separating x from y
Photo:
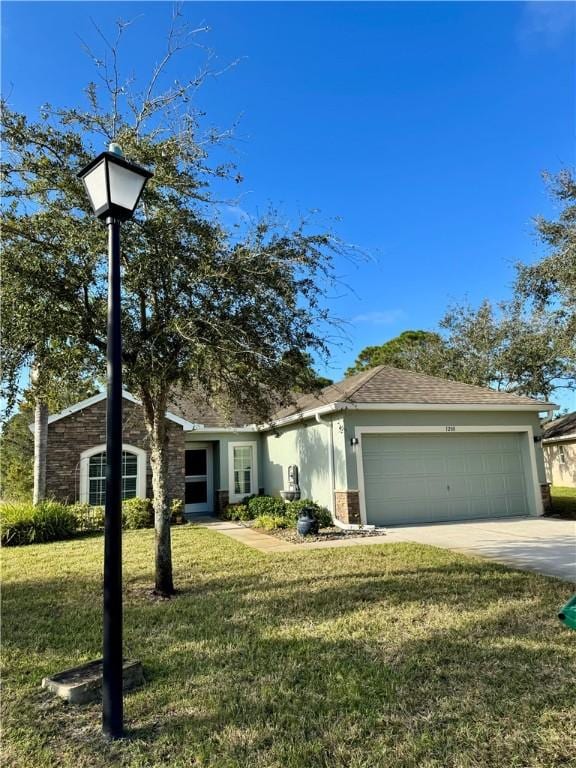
x=424 y=126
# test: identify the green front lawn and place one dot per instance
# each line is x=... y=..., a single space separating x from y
x=363 y=657
x=564 y=502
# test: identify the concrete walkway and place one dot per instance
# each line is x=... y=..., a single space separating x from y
x=266 y=542
x=541 y=544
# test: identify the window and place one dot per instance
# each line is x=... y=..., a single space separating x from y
x=242 y=470
x=97 y=477
x=561 y=455
x=93 y=474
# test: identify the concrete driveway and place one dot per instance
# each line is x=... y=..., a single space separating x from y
x=545 y=545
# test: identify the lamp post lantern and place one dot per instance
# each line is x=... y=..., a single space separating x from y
x=114 y=187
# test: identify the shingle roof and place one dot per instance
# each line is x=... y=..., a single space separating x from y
x=565 y=425
x=194 y=408
x=384 y=384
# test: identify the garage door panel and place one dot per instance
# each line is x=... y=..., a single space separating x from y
x=397 y=488
x=459 y=464
x=512 y=463
x=499 y=485
x=432 y=478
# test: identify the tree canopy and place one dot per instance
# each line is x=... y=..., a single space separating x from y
x=550 y=283
x=526 y=345
x=422 y=351
x=227 y=314
x=17 y=441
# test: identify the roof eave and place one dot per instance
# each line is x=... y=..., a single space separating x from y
x=559 y=439
x=535 y=406
x=203 y=429
x=344 y=405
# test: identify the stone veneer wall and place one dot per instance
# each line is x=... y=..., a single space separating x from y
x=222 y=500
x=70 y=436
x=347 y=506
x=546 y=497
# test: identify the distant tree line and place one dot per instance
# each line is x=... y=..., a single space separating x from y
x=526 y=345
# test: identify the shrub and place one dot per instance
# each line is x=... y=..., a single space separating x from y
x=97 y=515
x=136 y=513
x=229 y=512
x=237 y=512
x=266 y=509
x=272 y=506
x=88 y=518
x=269 y=522
x=24 y=523
x=243 y=512
x=177 y=511
x=83 y=514
x=293 y=509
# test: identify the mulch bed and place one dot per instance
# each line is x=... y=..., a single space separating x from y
x=324 y=534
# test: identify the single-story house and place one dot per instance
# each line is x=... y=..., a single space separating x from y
x=559 y=444
x=383 y=447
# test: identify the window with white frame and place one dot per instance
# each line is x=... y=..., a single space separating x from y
x=561 y=454
x=242 y=470
x=93 y=474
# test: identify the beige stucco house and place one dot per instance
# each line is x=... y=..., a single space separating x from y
x=383 y=447
x=559 y=444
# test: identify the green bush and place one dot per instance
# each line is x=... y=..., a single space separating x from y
x=243 y=513
x=270 y=522
x=97 y=515
x=272 y=506
x=293 y=509
x=83 y=514
x=177 y=512
x=228 y=513
x=270 y=512
x=136 y=513
x=24 y=523
x=237 y=512
x=89 y=518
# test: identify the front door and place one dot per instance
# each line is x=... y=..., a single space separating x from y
x=199 y=496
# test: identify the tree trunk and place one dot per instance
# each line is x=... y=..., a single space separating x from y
x=164 y=584
x=40 y=449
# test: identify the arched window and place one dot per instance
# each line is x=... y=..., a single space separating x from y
x=93 y=474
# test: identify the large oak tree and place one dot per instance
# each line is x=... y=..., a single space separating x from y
x=224 y=315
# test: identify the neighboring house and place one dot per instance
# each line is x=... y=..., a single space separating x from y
x=559 y=444
x=385 y=446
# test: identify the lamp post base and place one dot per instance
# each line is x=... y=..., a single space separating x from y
x=83 y=684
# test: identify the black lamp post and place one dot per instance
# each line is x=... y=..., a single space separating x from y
x=114 y=187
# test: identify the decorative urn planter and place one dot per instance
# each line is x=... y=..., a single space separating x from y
x=307 y=523
x=290 y=495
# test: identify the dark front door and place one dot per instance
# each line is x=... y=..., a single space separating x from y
x=199 y=487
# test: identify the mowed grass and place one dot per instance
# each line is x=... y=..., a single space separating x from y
x=564 y=502
x=388 y=655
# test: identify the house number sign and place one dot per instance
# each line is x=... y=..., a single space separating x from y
x=450 y=429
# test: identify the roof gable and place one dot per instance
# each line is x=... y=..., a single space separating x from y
x=88 y=402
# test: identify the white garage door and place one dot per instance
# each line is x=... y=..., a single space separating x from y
x=432 y=478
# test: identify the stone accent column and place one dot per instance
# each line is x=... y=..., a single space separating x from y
x=546 y=496
x=222 y=500
x=347 y=507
